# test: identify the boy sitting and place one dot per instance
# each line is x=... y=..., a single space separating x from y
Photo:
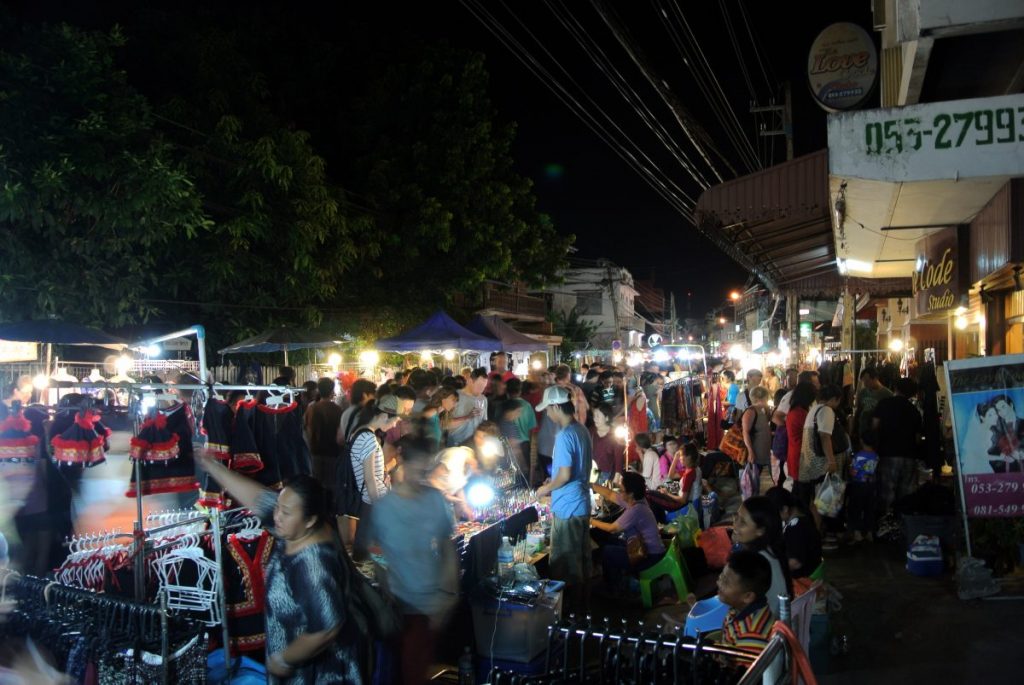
x=742 y=586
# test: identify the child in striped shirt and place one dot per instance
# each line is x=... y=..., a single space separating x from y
x=742 y=586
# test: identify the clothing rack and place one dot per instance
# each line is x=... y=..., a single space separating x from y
x=56 y=594
x=214 y=516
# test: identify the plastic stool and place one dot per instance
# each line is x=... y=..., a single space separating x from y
x=670 y=565
x=818 y=573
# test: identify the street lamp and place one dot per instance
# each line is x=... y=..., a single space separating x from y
x=734 y=296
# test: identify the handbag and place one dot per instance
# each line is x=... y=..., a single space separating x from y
x=373 y=611
x=749 y=481
x=635 y=550
x=733 y=445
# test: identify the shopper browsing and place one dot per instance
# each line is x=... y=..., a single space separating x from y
x=861 y=490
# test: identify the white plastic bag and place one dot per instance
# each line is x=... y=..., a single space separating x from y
x=828 y=499
x=749 y=480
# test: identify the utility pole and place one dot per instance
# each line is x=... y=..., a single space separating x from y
x=615 y=303
x=777 y=119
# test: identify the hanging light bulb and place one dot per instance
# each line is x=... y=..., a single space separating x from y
x=961 y=323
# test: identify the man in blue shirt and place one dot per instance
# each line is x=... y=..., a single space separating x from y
x=569 y=487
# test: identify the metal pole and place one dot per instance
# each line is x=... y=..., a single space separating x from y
x=165 y=642
x=286 y=356
x=140 y=537
x=218 y=552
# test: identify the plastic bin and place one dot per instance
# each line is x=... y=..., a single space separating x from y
x=943 y=527
x=706 y=615
x=518 y=632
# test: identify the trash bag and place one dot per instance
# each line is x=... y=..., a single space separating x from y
x=828 y=499
x=974 y=579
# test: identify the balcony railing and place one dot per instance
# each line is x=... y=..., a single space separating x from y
x=512 y=304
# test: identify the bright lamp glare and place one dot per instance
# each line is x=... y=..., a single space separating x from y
x=661 y=356
x=151 y=350
x=961 y=323
x=536 y=365
x=449 y=355
x=334 y=359
x=123 y=364
x=621 y=432
x=491 y=448
x=40 y=381
x=369 y=358
x=896 y=345
x=479 y=495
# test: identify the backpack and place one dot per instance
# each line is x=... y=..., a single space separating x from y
x=348 y=496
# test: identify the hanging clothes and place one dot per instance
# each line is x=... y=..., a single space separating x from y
x=246 y=591
x=278 y=434
x=83 y=442
x=279 y=429
x=716 y=414
x=17 y=443
x=162 y=453
x=245 y=455
x=217 y=421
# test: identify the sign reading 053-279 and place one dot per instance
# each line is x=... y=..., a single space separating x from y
x=945 y=130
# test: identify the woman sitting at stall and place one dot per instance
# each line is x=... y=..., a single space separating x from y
x=757 y=526
x=636 y=521
x=309 y=639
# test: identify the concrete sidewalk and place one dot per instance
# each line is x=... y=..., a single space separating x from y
x=905 y=629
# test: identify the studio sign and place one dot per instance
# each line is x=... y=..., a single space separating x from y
x=933 y=284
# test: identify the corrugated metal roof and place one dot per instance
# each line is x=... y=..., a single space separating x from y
x=777 y=219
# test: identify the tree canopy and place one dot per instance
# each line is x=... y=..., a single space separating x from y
x=185 y=180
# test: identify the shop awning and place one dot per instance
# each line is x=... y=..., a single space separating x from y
x=906 y=173
x=777 y=220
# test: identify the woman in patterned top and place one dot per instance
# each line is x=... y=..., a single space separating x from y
x=308 y=638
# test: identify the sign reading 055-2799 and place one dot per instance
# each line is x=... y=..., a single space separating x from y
x=945 y=130
x=974 y=138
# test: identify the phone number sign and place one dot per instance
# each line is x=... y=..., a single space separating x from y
x=961 y=138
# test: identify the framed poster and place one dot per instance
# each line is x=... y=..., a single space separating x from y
x=986 y=398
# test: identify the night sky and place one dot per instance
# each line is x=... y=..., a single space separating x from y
x=586 y=188
x=591 y=192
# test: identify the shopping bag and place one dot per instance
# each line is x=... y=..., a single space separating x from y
x=689 y=524
x=828 y=499
x=716 y=545
x=733 y=445
x=749 y=481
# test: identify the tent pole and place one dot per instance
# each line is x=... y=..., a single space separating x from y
x=49 y=357
x=286 y=356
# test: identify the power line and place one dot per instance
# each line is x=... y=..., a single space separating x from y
x=696 y=60
x=622 y=85
x=562 y=93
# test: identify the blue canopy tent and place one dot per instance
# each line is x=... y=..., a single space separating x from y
x=511 y=340
x=439 y=332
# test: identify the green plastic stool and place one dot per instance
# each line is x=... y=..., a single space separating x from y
x=819 y=573
x=671 y=565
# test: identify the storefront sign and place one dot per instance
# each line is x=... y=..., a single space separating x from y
x=987 y=401
x=935 y=280
x=18 y=351
x=842 y=67
x=940 y=140
x=177 y=344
